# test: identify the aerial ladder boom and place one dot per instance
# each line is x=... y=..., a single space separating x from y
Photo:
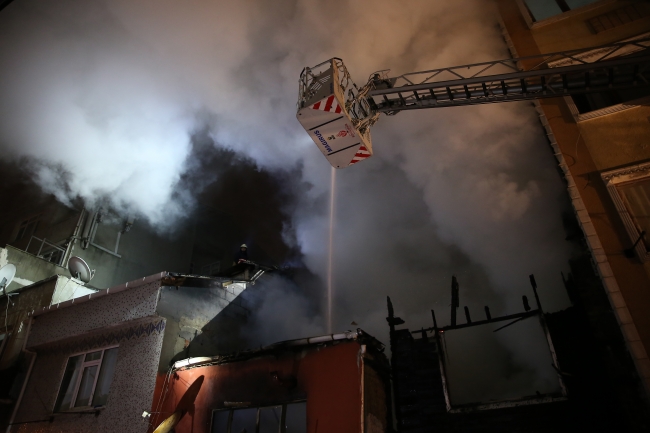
x=342 y=133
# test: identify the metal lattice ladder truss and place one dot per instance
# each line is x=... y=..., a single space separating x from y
x=624 y=65
x=338 y=115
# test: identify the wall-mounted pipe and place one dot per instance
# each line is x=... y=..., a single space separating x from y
x=73 y=238
x=85 y=237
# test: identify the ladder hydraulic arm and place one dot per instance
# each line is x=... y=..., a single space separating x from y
x=338 y=115
x=620 y=66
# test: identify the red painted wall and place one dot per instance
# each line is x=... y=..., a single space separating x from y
x=329 y=378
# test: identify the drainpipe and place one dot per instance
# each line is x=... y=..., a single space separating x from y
x=88 y=227
x=29 y=372
x=73 y=239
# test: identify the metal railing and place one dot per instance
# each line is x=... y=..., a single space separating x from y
x=51 y=252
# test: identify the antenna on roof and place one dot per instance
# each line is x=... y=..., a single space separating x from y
x=80 y=270
x=455 y=300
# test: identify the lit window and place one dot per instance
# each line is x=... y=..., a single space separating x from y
x=542 y=9
x=87 y=380
x=262 y=419
x=629 y=189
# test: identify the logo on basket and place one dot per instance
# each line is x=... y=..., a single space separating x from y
x=348 y=131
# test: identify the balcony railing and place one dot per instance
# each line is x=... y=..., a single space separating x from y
x=47 y=250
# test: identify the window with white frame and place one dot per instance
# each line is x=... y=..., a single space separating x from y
x=285 y=418
x=629 y=189
x=87 y=379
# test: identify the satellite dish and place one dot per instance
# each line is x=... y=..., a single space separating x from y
x=7 y=273
x=169 y=423
x=80 y=270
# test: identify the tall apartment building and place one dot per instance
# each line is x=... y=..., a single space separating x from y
x=601 y=142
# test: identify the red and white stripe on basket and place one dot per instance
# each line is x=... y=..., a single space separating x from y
x=330 y=104
x=362 y=154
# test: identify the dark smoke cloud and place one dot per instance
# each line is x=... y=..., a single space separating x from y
x=103 y=99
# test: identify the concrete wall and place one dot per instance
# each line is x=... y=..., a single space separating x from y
x=67 y=288
x=618 y=139
x=29 y=268
x=571 y=31
x=194 y=320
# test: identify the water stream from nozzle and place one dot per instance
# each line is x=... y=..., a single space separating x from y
x=330 y=288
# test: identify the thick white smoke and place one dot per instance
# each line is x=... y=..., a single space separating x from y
x=101 y=98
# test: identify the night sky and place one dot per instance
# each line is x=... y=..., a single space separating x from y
x=156 y=106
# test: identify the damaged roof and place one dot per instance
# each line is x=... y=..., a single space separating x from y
x=358 y=335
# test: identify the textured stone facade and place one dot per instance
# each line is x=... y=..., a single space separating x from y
x=131 y=304
x=126 y=319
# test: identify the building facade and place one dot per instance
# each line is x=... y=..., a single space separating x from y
x=600 y=142
x=94 y=361
x=331 y=383
x=14 y=316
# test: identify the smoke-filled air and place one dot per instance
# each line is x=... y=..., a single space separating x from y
x=100 y=101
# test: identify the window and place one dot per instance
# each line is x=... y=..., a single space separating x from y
x=542 y=9
x=590 y=102
x=629 y=189
x=262 y=419
x=87 y=380
x=592 y=105
x=27 y=227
